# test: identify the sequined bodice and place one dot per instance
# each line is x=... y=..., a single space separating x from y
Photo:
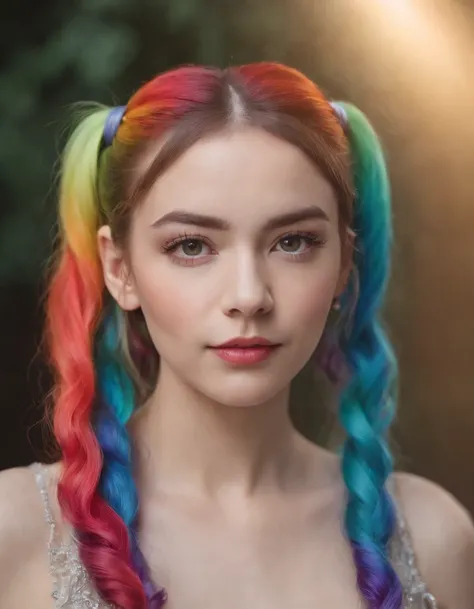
x=72 y=588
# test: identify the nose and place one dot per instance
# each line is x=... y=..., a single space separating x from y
x=248 y=293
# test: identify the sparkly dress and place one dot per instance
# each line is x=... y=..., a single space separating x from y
x=73 y=589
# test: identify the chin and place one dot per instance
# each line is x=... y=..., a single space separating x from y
x=246 y=393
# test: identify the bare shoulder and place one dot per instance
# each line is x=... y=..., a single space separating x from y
x=443 y=539
x=22 y=522
x=20 y=504
x=24 y=536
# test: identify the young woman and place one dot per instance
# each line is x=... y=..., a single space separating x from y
x=218 y=233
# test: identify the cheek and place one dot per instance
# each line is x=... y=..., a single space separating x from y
x=309 y=295
x=166 y=306
x=313 y=302
x=166 y=300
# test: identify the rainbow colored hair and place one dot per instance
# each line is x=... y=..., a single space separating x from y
x=101 y=357
x=367 y=404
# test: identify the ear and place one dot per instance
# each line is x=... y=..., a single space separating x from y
x=347 y=254
x=117 y=275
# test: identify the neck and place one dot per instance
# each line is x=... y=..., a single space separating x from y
x=187 y=443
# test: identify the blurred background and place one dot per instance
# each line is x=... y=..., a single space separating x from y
x=408 y=64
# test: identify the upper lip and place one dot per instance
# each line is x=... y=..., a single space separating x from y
x=253 y=341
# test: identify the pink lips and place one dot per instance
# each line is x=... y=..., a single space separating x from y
x=246 y=351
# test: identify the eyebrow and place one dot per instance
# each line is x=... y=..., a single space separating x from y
x=212 y=222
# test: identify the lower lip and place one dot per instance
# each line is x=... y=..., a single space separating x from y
x=245 y=355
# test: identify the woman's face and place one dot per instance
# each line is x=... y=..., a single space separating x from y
x=238 y=238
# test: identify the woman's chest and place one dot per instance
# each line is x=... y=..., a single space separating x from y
x=276 y=564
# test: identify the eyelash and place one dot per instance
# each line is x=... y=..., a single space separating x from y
x=313 y=240
x=173 y=244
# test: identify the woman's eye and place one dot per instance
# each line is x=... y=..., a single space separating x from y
x=191 y=247
x=296 y=244
x=194 y=248
x=291 y=243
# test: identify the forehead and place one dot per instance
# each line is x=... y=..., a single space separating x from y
x=241 y=175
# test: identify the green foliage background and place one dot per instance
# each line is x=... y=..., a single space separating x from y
x=56 y=53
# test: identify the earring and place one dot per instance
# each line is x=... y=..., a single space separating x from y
x=336 y=305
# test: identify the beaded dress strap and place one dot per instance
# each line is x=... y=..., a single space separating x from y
x=72 y=587
x=42 y=480
x=417 y=595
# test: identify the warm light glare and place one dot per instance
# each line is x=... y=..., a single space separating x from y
x=423 y=43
